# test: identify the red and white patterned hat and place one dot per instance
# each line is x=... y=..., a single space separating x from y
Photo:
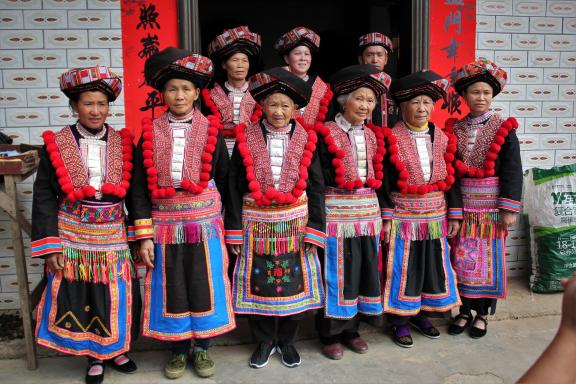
x=296 y=37
x=239 y=39
x=100 y=78
x=279 y=80
x=176 y=63
x=375 y=38
x=480 y=70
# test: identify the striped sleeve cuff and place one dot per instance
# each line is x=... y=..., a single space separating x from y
x=455 y=214
x=509 y=205
x=233 y=236
x=315 y=237
x=130 y=233
x=143 y=229
x=386 y=213
x=45 y=246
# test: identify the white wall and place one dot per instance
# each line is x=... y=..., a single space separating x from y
x=40 y=39
x=535 y=41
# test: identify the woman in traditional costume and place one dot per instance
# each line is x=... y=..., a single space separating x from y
x=375 y=48
x=181 y=171
x=275 y=217
x=488 y=162
x=297 y=48
x=235 y=53
x=424 y=209
x=351 y=154
x=91 y=305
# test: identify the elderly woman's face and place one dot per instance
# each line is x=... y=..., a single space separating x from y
x=478 y=96
x=278 y=109
x=299 y=60
x=180 y=95
x=417 y=111
x=359 y=105
x=92 y=108
x=237 y=66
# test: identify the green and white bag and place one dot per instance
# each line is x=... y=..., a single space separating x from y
x=550 y=202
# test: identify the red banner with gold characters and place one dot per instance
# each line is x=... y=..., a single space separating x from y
x=452 y=45
x=148 y=26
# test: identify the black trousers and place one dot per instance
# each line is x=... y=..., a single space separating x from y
x=279 y=329
x=482 y=306
x=332 y=330
x=398 y=321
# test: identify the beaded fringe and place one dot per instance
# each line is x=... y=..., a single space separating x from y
x=189 y=233
x=482 y=224
x=276 y=238
x=420 y=230
x=357 y=229
x=97 y=266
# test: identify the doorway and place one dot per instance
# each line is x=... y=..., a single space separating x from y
x=339 y=27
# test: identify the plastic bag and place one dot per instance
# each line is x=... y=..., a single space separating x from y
x=550 y=202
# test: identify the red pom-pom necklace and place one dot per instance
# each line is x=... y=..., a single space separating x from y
x=338 y=156
x=495 y=147
x=271 y=195
x=88 y=191
x=404 y=174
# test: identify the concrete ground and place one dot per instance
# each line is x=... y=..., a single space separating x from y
x=523 y=327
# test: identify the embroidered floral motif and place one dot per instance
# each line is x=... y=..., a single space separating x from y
x=278 y=272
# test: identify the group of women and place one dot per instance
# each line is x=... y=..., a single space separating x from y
x=299 y=182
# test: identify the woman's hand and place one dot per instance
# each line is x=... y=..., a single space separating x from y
x=235 y=249
x=55 y=261
x=146 y=252
x=568 y=320
x=508 y=218
x=386 y=230
x=453 y=227
x=310 y=248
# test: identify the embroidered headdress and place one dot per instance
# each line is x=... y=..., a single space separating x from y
x=374 y=38
x=100 y=78
x=419 y=83
x=238 y=39
x=175 y=63
x=296 y=37
x=480 y=70
x=353 y=77
x=279 y=80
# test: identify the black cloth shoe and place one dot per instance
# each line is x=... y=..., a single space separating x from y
x=477 y=333
x=455 y=329
x=290 y=356
x=401 y=336
x=261 y=355
x=94 y=379
x=127 y=367
x=424 y=327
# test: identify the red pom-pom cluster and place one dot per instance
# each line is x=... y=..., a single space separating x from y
x=490 y=160
x=271 y=195
x=404 y=174
x=188 y=185
x=338 y=156
x=324 y=102
x=88 y=191
x=209 y=102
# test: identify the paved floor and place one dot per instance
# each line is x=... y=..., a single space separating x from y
x=501 y=357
